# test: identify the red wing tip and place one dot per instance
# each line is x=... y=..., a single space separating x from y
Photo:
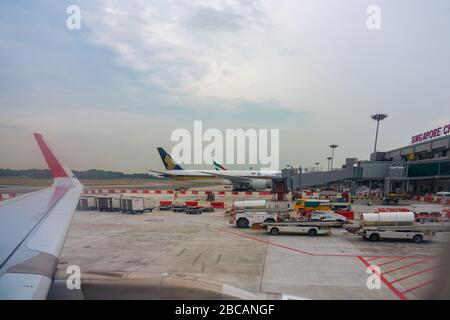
x=53 y=164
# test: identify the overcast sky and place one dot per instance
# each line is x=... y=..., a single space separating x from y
x=107 y=95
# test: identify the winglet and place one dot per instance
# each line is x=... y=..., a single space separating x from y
x=56 y=168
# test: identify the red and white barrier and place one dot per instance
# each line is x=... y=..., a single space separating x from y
x=214 y=204
x=163 y=203
x=350 y=215
x=381 y=210
x=431 y=199
x=190 y=192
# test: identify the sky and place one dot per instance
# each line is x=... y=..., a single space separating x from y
x=106 y=95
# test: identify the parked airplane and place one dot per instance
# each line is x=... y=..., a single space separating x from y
x=241 y=180
x=33 y=228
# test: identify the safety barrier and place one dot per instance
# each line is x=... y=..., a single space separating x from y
x=381 y=210
x=350 y=215
x=163 y=203
x=214 y=204
x=431 y=199
x=190 y=192
x=218 y=205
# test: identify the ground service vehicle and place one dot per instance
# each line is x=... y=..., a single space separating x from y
x=179 y=206
x=328 y=216
x=443 y=195
x=396 y=225
x=309 y=228
x=393 y=198
x=198 y=207
x=248 y=219
x=308 y=205
x=341 y=205
x=207 y=209
x=193 y=211
x=246 y=205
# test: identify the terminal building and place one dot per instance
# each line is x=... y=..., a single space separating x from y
x=425 y=166
x=417 y=169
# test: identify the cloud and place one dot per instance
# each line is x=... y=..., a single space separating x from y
x=139 y=68
x=227 y=17
x=174 y=45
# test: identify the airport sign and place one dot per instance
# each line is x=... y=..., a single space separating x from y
x=431 y=134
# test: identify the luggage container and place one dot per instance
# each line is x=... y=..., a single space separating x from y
x=136 y=205
x=87 y=203
x=108 y=203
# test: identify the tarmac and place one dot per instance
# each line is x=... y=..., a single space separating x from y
x=206 y=245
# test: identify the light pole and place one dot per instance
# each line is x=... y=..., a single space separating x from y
x=329 y=159
x=378 y=117
x=332 y=146
x=317 y=165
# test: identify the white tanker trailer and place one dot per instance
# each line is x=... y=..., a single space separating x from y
x=396 y=225
x=387 y=219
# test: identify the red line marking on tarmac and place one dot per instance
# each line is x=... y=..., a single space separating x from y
x=400 y=295
x=418 y=286
x=392 y=261
x=301 y=251
x=378 y=257
x=263 y=241
x=387 y=283
x=409 y=265
x=414 y=274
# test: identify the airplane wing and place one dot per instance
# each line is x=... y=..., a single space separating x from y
x=33 y=228
x=233 y=179
x=158 y=172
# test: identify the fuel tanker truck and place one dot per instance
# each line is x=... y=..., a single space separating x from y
x=396 y=225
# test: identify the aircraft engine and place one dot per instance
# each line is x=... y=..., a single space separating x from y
x=260 y=184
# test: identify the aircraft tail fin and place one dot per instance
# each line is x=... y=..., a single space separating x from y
x=218 y=166
x=169 y=163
